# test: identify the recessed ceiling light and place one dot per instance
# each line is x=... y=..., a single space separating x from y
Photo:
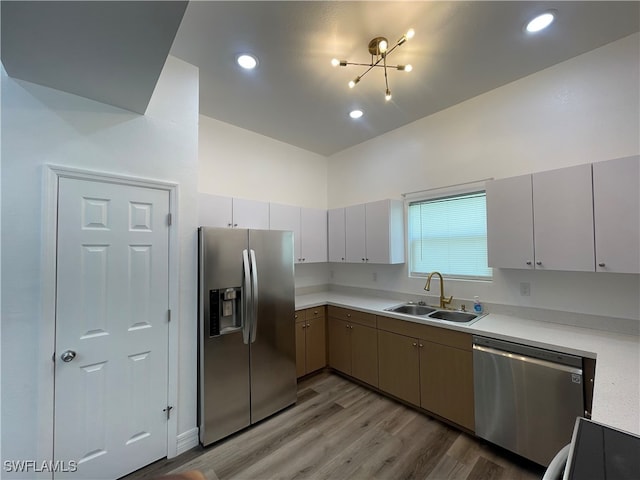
x=355 y=114
x=247 y=61
x=540 y=22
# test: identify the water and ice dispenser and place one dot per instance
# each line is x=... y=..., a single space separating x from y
x=225 y=311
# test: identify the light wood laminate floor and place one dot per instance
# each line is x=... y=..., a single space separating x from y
x=340 y=430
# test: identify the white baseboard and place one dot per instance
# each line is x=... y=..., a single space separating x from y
x=187 y=440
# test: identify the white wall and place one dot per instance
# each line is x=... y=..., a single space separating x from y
x=40 y=126
x=235 y=162
x=579 y=111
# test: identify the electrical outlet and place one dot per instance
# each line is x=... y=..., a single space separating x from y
x=525 y=289
x=375 y=276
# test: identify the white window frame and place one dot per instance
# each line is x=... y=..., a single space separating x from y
x=435 y=194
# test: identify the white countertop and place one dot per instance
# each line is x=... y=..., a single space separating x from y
x=616 y=396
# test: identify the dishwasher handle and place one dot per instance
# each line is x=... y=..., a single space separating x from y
x=527 y=359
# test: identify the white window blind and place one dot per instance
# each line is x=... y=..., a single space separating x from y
x=449 y=235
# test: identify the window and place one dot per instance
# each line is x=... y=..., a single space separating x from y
x=449 y=235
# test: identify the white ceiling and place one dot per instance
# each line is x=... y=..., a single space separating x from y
x=460 y=50
x=113 y=52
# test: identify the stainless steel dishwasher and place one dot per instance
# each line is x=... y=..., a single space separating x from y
x=526 y=399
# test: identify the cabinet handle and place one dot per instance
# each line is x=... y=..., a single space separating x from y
x=538 y=263
x=235 y=225
x=529 y=262
x=229 y=224
x=351 y=327
x=304 y=326
x=295 y=316
x=348 y=315
x=347 y=326
x=363 y=259
x=308 y=325
x=343 y=259
x=414 y=344
x=315 y=312
x=304 y=259
x=421 y=345
x=601 y=264
x=367 y=260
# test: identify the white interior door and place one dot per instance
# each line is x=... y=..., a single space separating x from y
x=111 y=360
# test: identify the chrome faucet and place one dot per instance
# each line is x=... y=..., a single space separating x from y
x=443 y=300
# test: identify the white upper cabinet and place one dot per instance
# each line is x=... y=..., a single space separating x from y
x=215 y=211
x=616 y=202
x=309 y=227
x=355 y=243
x=584 y=218
x=510 y=223
x=563 y=219
x=384 y=226
x=250 y=214
x=313 y=235
x=374 y=232
x=337 y=235
x=218 y=211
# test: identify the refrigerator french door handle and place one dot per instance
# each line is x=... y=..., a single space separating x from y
x=246 y=301
x=254 y=296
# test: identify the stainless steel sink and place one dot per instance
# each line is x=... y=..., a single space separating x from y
x=450 y=316
x=423 y=311
x=411 y=309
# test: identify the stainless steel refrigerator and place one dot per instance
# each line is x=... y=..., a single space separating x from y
x=246 y=329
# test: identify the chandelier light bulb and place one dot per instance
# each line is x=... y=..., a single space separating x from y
x=387 y=95
x=410 y=33
x=353 y=82
x=335 y=62
x=408 y=68
x=382 y=46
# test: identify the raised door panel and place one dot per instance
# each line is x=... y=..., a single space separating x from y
x=563 y=219
x=398 y=366
x=616 y=202
x=377 y=217
x=250 y=214
x=339 y=345
x=446 y=383
x=510 y=223
x=355 y=234
x=364 y=354
x=316 y=344
x=313 y=234
x=215 y=211
x=337 y=235
x=287 y=217
x=301 y=368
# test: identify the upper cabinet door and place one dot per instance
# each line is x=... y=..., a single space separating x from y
x=337 y=235
x=355 y=248
x=287 y=217
x=563 y=219
x=510 y=223
x=250 y=214
x=214 y=211
x=377 y=217
x=313 y=235
x=616 y=203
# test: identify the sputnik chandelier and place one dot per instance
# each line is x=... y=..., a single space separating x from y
x=379 y=50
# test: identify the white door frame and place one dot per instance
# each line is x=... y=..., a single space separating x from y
x=46 y=371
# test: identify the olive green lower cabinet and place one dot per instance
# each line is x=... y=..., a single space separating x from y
x=353 y=344
x=429 y=367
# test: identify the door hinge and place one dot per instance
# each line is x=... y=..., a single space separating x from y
x=168 y=410
x=169 y=219
x=169 y=315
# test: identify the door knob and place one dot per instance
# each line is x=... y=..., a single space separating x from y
x=68 y=355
